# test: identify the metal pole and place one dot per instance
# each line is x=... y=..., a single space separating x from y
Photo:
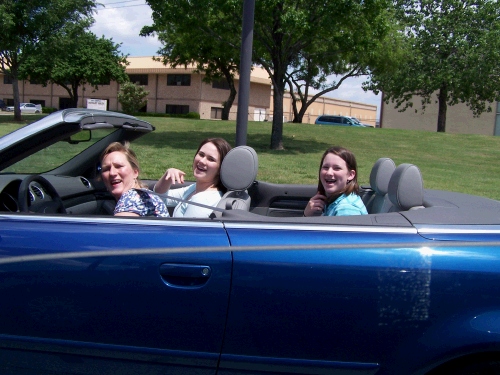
x=245 y=68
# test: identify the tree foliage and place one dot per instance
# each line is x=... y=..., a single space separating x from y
x=298 y=42
x=132 y=97
x=205 y=39
x=25 y=25
x=362 y=41
x=306 y=41
x=73 y=57
x=451 y=56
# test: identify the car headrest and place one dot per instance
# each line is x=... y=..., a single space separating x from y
x=406 y=187
x=381 y=174
x=239 y=168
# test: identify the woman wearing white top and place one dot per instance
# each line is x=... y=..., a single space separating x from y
x=207 y=190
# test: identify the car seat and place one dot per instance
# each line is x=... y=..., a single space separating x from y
x=406 y=188
x=380 y=176
x=238 y=171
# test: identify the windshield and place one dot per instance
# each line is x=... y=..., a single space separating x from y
x=56 y=154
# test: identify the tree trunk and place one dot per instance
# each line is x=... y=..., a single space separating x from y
x=442 y=95
x=15 y=92
x=229 y=102
x=277 y=130
x=74 y=96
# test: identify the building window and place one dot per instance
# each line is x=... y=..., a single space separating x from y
x=173 y=109
x=216 y=113
x=7 y=80
x=65 y=103
x=178 y=79
x=220 y=84
x=139 y=79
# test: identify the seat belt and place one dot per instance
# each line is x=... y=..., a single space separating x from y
x=164 y=195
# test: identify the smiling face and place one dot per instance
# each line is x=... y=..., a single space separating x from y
x=334 y=174
x=206 y=165
x=118 y=174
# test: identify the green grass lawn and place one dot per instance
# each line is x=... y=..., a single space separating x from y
x=456 y=162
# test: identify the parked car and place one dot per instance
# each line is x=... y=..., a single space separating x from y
x=361 y=123
x=411 y=288
x=337 y=120
x=27 y=108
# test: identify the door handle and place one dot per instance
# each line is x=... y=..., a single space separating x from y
x=185 y=275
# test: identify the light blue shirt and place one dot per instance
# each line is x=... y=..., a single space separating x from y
x=346 y=205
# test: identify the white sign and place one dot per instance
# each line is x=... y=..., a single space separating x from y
x=97 y=104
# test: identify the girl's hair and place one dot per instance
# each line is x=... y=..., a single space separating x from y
x=346 y=155
x=130 y=155
x=223 y=147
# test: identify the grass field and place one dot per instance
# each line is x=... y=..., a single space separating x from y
x=456 y=162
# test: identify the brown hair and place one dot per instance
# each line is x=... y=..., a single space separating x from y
x=223 y=147
x=350 y=160
x=130 y=155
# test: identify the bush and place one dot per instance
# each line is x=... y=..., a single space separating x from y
x=193 y=115
x=132 y=97
x=49 y=109
x=190 y=115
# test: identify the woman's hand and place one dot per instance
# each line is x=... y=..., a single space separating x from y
x=170 y=177
x=315 y=206
x=174 y=175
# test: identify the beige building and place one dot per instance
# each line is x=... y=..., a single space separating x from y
x=181 y=90
x=366 y=113
x=459 y=119
x=171 y=90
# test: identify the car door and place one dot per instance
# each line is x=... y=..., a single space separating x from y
x=324 y=299
x=126 y=304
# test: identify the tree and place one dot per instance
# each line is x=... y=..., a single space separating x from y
x=297 y=40
x=451 y=56
x=74 y=57
x=25 y=25
x=132 y=97
x=348 y=52
x=205 y=39
x=288 y=34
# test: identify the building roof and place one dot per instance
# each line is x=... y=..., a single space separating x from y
x=147 y=65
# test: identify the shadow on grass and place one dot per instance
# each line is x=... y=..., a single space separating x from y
x=189 y=140
x=8 y=118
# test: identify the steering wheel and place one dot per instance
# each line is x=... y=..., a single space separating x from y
x=51 y=204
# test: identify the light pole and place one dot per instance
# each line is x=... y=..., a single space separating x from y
x=245 y=68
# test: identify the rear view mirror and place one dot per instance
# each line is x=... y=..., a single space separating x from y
x=83 y=136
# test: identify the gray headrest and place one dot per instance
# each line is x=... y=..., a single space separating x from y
x=239 y=168
x=381 y=174
x=406 y=188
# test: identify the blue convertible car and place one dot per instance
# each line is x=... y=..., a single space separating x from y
x=411 y=288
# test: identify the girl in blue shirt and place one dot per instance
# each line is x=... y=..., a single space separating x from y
x=338 y=189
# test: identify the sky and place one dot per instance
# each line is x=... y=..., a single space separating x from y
x=122 y=20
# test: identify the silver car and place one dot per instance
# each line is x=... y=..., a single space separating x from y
x=27 y=108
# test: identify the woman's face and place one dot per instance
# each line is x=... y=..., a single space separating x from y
x=206 y=164
x=334 y=174
x=117 y=173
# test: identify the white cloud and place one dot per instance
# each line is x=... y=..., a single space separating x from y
x=123 y=21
